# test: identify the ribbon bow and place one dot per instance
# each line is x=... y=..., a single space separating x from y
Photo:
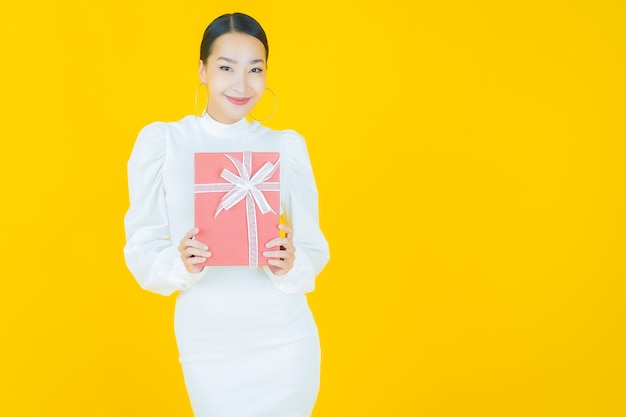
x=244 y=186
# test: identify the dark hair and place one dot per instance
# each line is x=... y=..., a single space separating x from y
x=229 y=23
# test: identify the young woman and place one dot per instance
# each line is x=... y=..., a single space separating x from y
x=247 y=341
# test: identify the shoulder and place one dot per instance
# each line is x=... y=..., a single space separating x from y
x=152 y=132
x=294 y=150
x=160 y=129
x=292 y=141
x=290 y=136
x=157 y=133
x=150 y=136
x=150 y=143
x=294 y=144
x=289 y=139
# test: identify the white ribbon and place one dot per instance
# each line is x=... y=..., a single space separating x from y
x=245 y=186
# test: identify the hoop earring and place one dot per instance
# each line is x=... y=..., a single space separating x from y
x=207 y=99
x=273 y=111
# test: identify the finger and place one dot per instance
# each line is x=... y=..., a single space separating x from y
x=291 y=248
x=288 y=230
x=191 y=252
x=192 y=243
x=190 y=234
x=194 y=256
x=280 y=264
x=281 y=255
x=195 y=260
x=289 y=236
x=277 y=242
x=188 y=243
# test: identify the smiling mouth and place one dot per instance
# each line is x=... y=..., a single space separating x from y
x=239 y=101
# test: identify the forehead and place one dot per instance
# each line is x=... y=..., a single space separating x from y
x=239 y=47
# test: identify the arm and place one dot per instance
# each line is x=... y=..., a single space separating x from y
x=301 y=215
x=150 y=255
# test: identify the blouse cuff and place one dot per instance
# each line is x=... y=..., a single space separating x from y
x=190 y=278
x=300 y=279
x=277 y=280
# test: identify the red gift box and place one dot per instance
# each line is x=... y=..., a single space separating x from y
x=237 y=205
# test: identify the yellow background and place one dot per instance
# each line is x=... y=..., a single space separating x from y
x=470 y=163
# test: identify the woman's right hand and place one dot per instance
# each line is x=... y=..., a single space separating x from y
x=193 y=252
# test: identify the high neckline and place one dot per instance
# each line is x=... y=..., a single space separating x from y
x=224 y=129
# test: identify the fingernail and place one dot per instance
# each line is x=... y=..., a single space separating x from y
x=266 y=254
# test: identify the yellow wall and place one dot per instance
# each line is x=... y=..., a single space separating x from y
x=470 y=160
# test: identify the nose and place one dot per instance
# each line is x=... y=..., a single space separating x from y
x=239 y=82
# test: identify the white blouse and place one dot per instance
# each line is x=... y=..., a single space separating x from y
x=161 y=176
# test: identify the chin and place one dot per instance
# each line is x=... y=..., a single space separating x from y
x=238 y=116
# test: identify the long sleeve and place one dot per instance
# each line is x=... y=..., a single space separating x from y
x=150 y=254
x=301 y=213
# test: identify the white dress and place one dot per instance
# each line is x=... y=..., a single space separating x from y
x=247 y=341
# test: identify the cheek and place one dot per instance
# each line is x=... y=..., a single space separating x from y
x=216 y=79
x=258 y=83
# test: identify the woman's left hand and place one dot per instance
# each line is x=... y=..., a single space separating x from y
x=281 y=261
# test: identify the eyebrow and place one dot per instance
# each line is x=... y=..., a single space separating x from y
x=232 y=61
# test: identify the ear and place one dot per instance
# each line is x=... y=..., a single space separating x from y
x=202 y=72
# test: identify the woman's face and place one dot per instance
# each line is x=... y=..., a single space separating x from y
x=235 y=76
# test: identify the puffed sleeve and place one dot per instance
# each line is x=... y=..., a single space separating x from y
x=301 y=213
x=150 y=255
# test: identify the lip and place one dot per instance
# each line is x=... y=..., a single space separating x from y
x=238 y=101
